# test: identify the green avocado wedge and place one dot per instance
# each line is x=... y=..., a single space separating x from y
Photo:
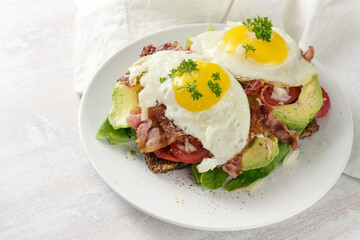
x=299 y=114
x=261 y=151
x=248 y=177
x=124 y=99
x=116 y=136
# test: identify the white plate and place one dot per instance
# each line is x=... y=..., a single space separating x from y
x=172 y=197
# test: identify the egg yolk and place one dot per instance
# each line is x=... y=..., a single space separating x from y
x=273 y=52
x=199 y=81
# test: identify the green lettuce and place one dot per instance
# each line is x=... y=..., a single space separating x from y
x=117 y=136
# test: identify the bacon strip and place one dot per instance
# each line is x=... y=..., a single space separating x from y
x=234 y=166
x=150 y=49
x=155 y=132
x=280 y=130
x=309 y=54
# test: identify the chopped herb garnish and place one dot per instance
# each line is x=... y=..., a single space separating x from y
x=172 y=73
x=216 y=76
x=192 y=88
x=162 y=79
x=133 y=152
x=215 y=86
x=261 y=27
x=248 y=47
x=187 y=67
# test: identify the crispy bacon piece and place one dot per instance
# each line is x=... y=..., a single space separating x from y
x=280 y=130
x=253 y=87
x=125 y=78
x=309 y=54
x=234 y=166
x=155 y=132
x=150 y=49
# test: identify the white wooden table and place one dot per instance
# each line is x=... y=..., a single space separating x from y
x=48 y=189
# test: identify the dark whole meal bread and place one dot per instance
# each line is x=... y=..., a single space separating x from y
x=310 y=129
x=159 y=165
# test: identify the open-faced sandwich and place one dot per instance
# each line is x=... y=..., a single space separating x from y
x=232 y=104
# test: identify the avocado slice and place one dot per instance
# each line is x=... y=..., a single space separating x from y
x=261 y=151
x=124 y=99
x=299 y=114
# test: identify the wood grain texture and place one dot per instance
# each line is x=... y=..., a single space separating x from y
x=49 y=189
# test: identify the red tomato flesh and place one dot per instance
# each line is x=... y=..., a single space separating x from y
x=165 y=153
x=176 y=153
x=326 y=105
x=188 y=157
x=294 y=93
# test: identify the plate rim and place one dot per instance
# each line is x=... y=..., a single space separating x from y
x=200 y=227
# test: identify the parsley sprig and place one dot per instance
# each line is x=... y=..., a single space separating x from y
x=192 y=88
x=216 y=76
x=248 y=47
x=214 y=85
x=261 y=27
x=172 y=73
x=185 y=67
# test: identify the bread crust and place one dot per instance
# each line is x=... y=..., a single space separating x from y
x=310 y=129
x=159 y=165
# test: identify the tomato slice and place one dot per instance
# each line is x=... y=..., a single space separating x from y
x=326 y=105
x=188 y=157
x=294 y=93
x=165 y=153
x=176 y=153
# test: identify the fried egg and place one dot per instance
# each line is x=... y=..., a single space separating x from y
x=278 y=61
x=220 y=121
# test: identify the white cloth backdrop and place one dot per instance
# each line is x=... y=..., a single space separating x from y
x=332 y=27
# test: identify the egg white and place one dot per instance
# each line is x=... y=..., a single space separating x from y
x=294 y=71
x=222 y=129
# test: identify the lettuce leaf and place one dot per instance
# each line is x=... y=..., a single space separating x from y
x=213 y=179
x=117 y=136
x=196 y=173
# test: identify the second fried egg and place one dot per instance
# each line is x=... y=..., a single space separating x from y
x=278 y=61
